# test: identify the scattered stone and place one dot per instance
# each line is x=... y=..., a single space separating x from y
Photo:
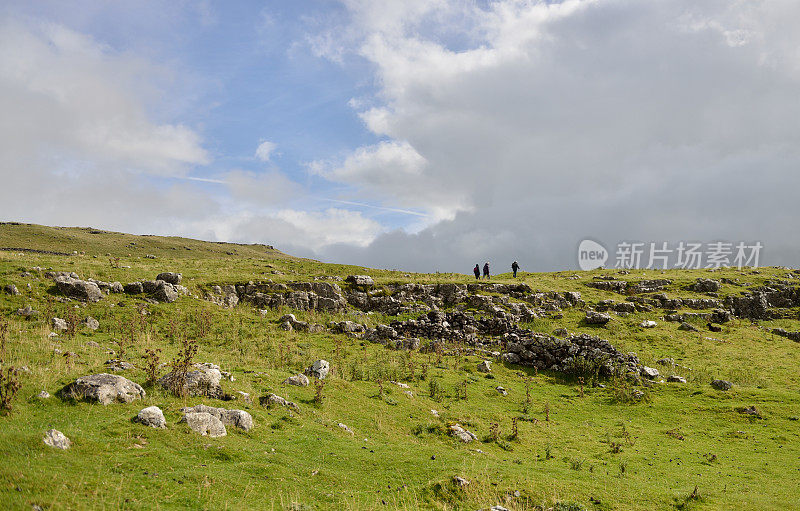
x=688 y=327
x=650 y=372
x=502 y=391
x=103 y=388
x=80 y=289
x=116 y=364
x=345 y=428
x=648 y=324
x=59 y=325
x=205 y=424
x=706 y=286
x=57 y=439
x=666 y=361
x=435 y=413
x=237 y=418
x=43 y=395
x=674 y=378
x=245 y=397
x=749 y=410
x=460 y=482
x=11 y=289
x=462 y=434
x=151 y=416
x=300 y=380
x=319 y=369
x=560 y=332
x=272 y=399
x=722 y=384
x=170 y=277
x=597 y=318
x=204 y=381
x=485 y=366
x=360 y=280
x=165 y=292
x=91 y=323
x=134 y=288
x=27 y=311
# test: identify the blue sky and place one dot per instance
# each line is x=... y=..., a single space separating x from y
x=416 y=134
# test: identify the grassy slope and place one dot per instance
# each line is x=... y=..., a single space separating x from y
x=735 y=461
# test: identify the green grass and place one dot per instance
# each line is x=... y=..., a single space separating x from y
x=593 y=453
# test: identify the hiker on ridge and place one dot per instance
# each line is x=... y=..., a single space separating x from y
x=514 y=268
x=486 y=270
x=477 y=271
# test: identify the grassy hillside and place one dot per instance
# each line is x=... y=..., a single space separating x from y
x=683 y=446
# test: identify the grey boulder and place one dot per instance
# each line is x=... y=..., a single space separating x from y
x=205 y=424
x=237 y=418
x=103 y=388
x=319 y=369
x=57 y=439
x=151 y=416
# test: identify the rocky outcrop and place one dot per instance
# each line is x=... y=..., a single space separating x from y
x=546 y=352
x=78 y=289
x=203 y=381
x=103 y=388
x=237 y=418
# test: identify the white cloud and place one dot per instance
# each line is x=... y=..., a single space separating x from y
x=543 y=123
x=264 y=150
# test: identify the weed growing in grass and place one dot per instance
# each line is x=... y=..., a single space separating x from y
x=9 y=386
x=319 y=387
x=72 y=322
x=514 y=430
x=527 y=404
x=152 y=360
x=180 y=367
x=576 y=464
x=3 y=339
x=435 y=390
x=686 y=501
x=547 y=412
x=548 y=452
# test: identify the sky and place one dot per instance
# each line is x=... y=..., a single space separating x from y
x=422 y=135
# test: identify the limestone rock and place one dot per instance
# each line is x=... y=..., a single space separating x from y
x=103 y=388
x=299 y=380
x=203 y=381
x=90 y=323
x=170 y=277
x=273 y=399
x=485 y=366
x=79 y=289
x=648 y=324
x=722 y=384
x=57 y=439
x=205 y=424
x=59 y=325
x=319 y=369
x=360 y=280
x=151 y=416
x=462 y=434
x=237 y=418
x=674 y=378
x=597 y=318
x=650 y=372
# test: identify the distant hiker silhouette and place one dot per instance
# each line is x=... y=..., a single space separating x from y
x=514 y=268
x=486 y=270
x=477 y=272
